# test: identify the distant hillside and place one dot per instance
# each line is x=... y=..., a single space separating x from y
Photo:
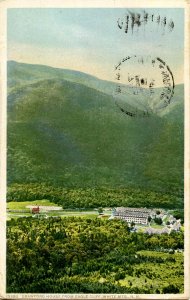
x=62 y=129
x=20 y=74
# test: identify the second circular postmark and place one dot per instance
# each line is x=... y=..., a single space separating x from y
x=145 y=85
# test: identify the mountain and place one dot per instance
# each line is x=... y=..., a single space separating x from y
x=20 y=74
x=64 y=128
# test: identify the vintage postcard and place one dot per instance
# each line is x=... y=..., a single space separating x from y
x=94 y=149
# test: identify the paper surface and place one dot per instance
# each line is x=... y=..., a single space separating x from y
x=94 y=149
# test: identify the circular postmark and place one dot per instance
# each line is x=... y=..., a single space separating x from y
x=145 y=85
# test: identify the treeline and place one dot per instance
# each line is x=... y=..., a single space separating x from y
x=94 y=197
x=77 y=255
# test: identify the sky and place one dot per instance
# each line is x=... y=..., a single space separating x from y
x=89 y=39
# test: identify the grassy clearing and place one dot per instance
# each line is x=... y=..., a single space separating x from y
x=84 y=214
x=166 y=219
x=19 y=214
x=22 y=205
x=157 y=254
x=87 y=216
x=156 y=226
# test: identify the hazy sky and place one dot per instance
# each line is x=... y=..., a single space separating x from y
x=90 y=40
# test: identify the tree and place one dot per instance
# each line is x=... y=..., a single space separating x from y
x=119 y=275
x=158 y=221
x=170 y=289
x=130 y=283
x=179 y=214
x=100 y=210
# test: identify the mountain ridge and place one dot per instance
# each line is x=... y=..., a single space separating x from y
x=51 y=72
x=67 y=133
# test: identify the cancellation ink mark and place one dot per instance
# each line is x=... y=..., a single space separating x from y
x=145 y=85
x=133 y=20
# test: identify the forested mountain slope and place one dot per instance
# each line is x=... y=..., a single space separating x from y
x=66 y=133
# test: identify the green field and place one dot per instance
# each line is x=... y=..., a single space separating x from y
x=22 y=205
x=62 y=213
x=156 y=226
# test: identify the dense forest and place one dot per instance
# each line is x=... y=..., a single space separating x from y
x=95 y=197
x=77 y=255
